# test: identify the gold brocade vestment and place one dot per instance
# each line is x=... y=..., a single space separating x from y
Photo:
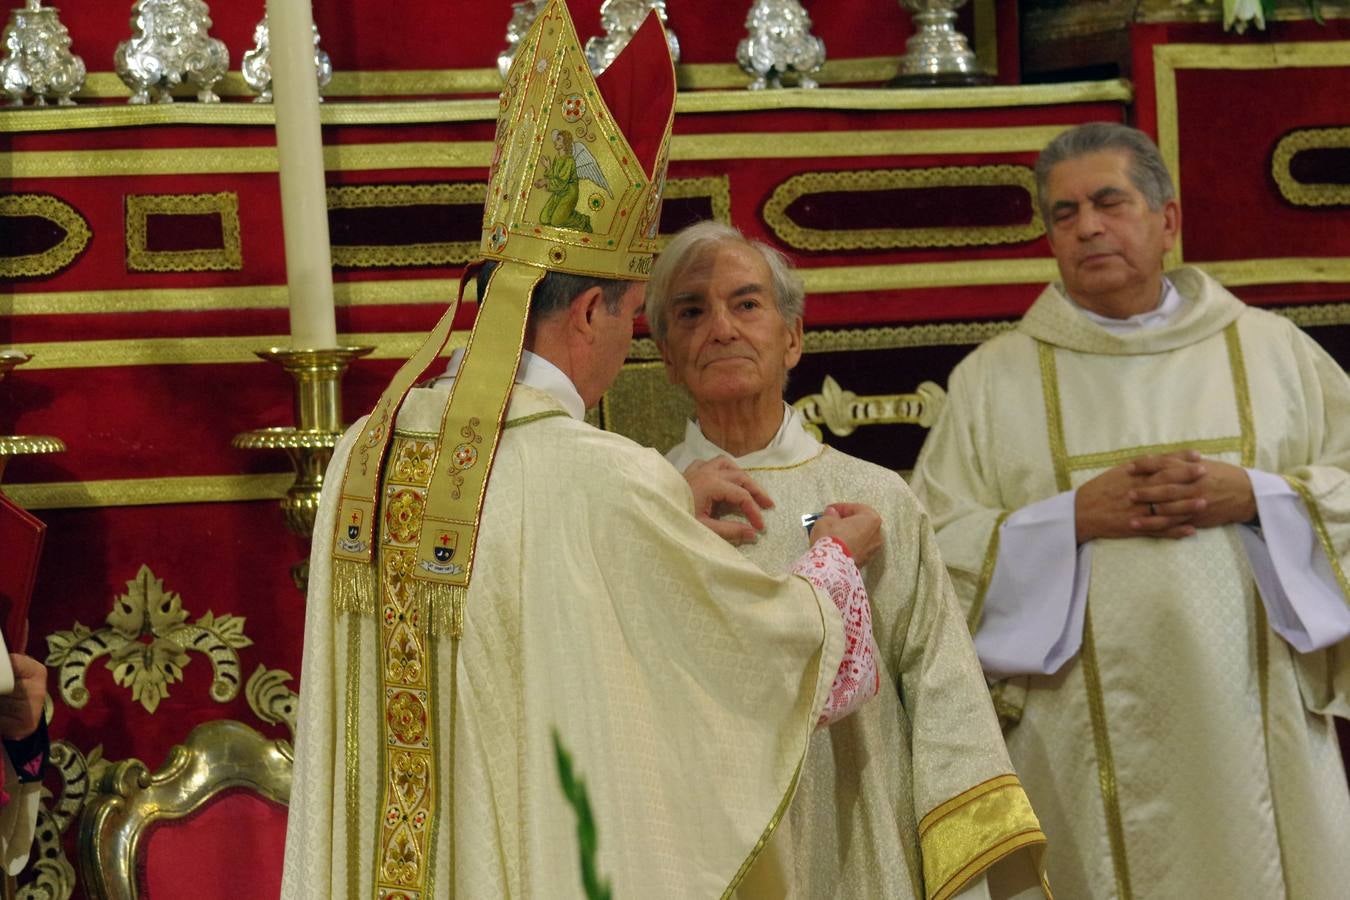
x=1186 y=751
x=913 y=795
x=684 y=682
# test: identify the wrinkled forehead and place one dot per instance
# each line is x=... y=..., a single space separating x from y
x=724 y=259
x=1089 y=173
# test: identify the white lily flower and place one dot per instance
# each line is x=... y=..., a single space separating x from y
x=1237 y=13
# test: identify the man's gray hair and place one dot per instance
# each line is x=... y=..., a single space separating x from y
x=556 y=291
x=1148 y=172
x=689 y=245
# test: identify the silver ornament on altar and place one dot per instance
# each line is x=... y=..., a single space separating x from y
x=621 y=20
x=522 y=17
x=779 y=43
x=170 y=46
x=256 y=66
x=37 y=61
x=937 y=53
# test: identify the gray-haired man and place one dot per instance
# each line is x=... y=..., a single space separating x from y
x=1142 y=494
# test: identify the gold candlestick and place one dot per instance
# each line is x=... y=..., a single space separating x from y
x=22 y=444
x=310 y=443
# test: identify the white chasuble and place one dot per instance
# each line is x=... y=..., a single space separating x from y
x=912 y=796
x=683 y=682
x=1186 y=750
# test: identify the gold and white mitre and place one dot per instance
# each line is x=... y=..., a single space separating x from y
x=575 y=186
x=580 y=162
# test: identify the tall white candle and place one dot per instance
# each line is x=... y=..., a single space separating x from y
x=304 y=206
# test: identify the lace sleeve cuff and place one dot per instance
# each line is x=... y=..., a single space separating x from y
x=830 y=568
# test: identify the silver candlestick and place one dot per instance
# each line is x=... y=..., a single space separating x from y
x=779 y=43
x=37 y=61
x=937 y=53
x=257 y=64
x=621 y=19
x=170 y=46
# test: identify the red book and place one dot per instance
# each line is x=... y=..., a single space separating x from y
x=21 y=535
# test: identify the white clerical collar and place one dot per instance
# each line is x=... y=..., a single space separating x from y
x=791 y=445
x=534 y=371
x=1157 y=317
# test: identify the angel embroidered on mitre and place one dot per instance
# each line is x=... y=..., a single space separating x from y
x=562 y=178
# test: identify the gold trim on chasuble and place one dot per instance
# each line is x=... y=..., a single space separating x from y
x=986 y=575
x=967 y=834
x=1064 y=464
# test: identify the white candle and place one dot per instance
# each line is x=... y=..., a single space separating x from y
x=304 y=206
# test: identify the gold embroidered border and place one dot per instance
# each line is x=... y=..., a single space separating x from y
x=1110 y=458
x=1241 y=394
x=857 y=279
x=885 y=143
x=1054 y=421
x=1323 y=536
x=207 y=350
x=1316 y=315
x=717 y=188
x=387 y=84
x=1106 y=767
x=986 y=574
x=368 y=196
x=970 y=832
x=53 y=259
x=526 y=420
x=150 y=491
x=891 y=337
x=1291 y=270
x=408 y=810
x=62 y=164
x=263 y=296
x=766 y=834
x=224 y=205
x=870 y=180
x=815 y=456
x=989 y=97
x=1168 y=58
x=351 y=739
x=1301 y=193
x=256 y=115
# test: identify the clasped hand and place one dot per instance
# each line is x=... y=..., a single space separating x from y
x=1169 y=496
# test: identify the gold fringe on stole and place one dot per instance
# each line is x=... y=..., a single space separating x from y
x=442 y=605
x=353 y=587
x=967 y=834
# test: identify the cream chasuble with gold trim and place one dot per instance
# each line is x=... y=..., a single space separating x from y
x=1186 y=750
x=684 y=682
x=912 y=796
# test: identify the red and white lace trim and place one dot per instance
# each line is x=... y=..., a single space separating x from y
x=830 y=568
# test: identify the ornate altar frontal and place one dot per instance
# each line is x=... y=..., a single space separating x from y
x=142 y=266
